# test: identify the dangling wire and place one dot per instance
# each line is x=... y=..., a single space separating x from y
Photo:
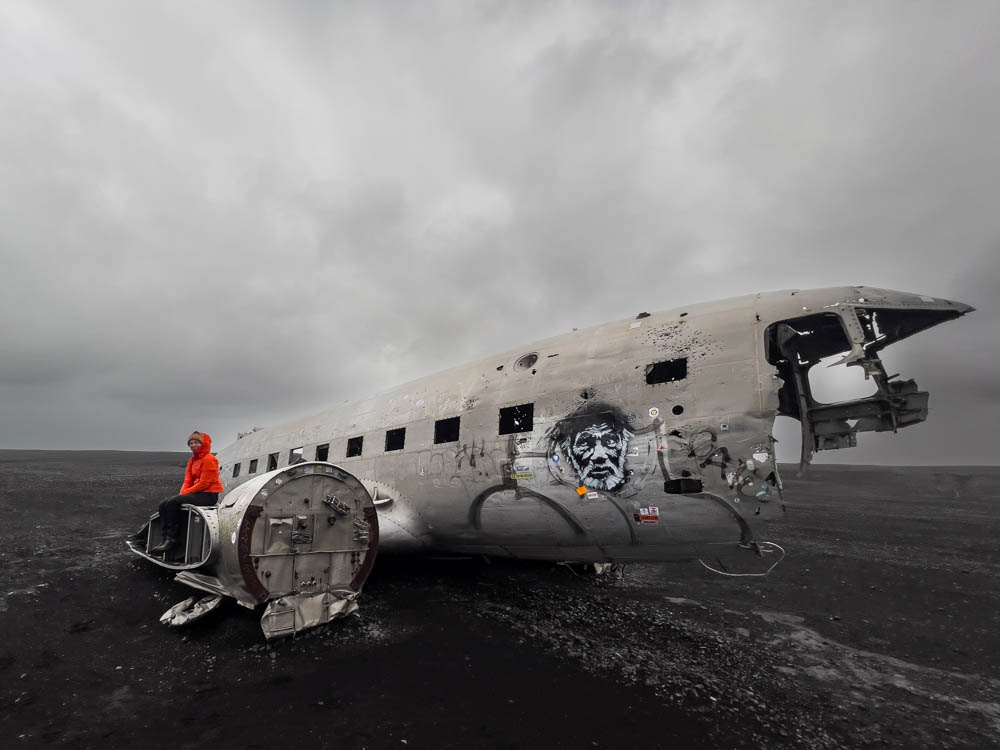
x=759 y=546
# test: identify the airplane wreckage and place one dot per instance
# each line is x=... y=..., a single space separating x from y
x=643 y=439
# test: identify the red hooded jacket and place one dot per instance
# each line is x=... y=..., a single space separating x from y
x=202 y=472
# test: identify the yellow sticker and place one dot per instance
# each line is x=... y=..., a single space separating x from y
x=581 y=491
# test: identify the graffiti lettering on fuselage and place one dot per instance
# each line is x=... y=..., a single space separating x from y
x=464 y=452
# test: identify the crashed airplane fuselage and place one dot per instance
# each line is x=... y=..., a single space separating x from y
x=648 y=438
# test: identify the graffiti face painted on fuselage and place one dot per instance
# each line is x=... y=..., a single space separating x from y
x=598 y=453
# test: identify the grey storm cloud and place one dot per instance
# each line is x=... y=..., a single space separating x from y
x=228 y=214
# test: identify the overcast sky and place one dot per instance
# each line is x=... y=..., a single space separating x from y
x=219 y=215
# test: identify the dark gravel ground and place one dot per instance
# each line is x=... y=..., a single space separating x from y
x=881 y=628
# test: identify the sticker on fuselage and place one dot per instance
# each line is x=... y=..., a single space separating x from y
x=647 y=515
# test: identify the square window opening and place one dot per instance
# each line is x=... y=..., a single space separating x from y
x=322 y=452
x=355 y=446
x=395 y=439
x=272 y=461
x=295 y=456
x=236 y=470
x=667 y=372
x=446 y=430
x=519 y=418
x=253 y=466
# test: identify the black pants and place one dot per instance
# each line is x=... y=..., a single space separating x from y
x=170 y=509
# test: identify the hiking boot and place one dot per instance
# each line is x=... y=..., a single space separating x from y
x=166 y=545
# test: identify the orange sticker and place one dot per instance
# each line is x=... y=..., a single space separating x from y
x=581 y=491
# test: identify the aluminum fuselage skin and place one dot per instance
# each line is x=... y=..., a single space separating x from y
x=685 y=467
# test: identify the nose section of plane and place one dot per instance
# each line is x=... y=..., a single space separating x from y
x=866 y=295
x=944 y=304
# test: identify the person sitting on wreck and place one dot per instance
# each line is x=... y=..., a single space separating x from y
x=201 y=487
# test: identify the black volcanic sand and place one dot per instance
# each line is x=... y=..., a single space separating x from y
x=881 y=628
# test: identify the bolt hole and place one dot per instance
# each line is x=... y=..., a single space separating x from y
x=678 y=409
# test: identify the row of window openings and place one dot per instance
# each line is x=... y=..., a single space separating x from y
x=513 y=419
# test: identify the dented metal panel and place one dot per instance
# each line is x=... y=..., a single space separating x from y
x=291 y=614
x=190 y=610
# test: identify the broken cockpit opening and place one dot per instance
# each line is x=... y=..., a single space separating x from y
x=796 y=345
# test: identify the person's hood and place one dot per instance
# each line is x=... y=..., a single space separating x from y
x=206 y=443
